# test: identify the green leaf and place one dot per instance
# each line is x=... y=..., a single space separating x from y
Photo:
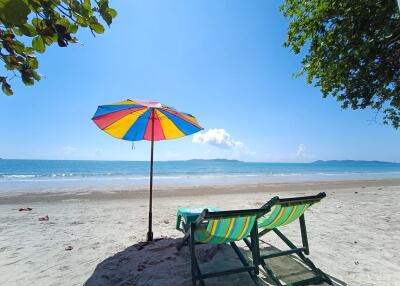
x=36 y=76
x=86 y=4
x=97 y=27
x=38 y=44
x=33 y=63
x=347 y=51
x=63 y=21
x=11 y=62
x=72 y=29
x=112 y=12
x=106 y=17
x=48 y=40
x=75 y=5
x=29 y=51
x=86 y=8
x=6 y=88
x=103 y=4
x=14 y=12
x=17 y=32
x=19 y=47
x=38 y=23
x=81 y=21
x=46 y=26
x=27 y=78
x=28 y=30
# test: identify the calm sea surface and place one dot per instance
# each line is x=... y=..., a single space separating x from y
x=55 y=174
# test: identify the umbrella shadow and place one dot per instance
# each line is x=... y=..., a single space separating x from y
x=160 y=263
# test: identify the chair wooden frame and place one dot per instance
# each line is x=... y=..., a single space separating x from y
x=301 y=252
x=204 y=217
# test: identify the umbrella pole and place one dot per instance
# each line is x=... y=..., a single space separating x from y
x=150 y=232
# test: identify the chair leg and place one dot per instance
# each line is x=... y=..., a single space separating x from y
x=270 y=273
x=264 y=232
x=255 y=247
x=192 y=255
x=303 y=230
x=261 y=261
x=184 y=241
x=307 y=261
x=292 y=246
x=319 y=273
x=248 y=243
x=244 y=262
x=196 y=274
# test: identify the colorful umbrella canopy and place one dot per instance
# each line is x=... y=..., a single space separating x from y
x=132 y=120
x=135 y=120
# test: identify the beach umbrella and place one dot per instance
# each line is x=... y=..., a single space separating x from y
x=135 y=120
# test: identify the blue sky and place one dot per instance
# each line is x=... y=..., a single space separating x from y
x=222 y=61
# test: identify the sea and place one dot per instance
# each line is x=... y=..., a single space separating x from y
x=53 y=175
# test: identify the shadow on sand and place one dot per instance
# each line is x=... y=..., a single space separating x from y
x=160 y=263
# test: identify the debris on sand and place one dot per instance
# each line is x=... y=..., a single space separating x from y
x=25 y=209
x=68 y=248
x=44 y=218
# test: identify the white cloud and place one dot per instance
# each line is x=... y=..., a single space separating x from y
x=303 y=154
x=68 y=150
x=98 y=153
x=301 y=150
x=217 y=137
x=220 y=138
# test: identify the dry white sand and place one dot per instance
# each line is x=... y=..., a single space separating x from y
x=354 y=236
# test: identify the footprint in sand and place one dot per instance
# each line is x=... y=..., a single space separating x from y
x=141 y=267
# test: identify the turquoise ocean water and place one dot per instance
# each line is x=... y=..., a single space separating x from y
x=58 y=174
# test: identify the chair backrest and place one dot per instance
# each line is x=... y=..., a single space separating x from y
x=227 y=226
x=287 y=210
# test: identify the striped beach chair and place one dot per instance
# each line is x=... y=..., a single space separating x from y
x=283 y=212
x=222 y=227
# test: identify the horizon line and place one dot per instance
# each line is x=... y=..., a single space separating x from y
x=201 y=159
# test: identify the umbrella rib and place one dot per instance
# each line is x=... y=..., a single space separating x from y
x=111 y=113
x=158 y=118
x=178 y=114
x=120 y=107
x=177 y=127
x=141 y=117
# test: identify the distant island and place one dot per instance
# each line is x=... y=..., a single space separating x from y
x=351 y=162
x=214 y=160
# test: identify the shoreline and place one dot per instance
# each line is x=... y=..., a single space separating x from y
x=14 y=197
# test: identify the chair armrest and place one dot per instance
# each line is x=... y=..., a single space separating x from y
x=201 y=217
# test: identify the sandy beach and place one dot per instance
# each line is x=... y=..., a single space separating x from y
x=353 y=234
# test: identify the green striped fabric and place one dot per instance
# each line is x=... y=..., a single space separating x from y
x=282 y=215
x=224 y=230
